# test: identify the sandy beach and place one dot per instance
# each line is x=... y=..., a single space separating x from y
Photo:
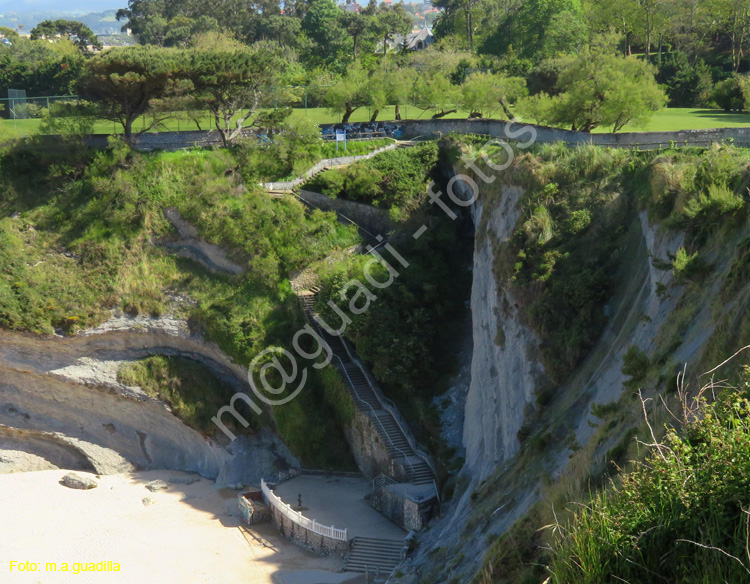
x=189 y=534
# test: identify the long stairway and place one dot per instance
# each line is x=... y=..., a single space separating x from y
x=377 y=557
x=397 y=443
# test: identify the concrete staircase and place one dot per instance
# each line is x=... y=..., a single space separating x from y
x=367 y=400
x=377 y=557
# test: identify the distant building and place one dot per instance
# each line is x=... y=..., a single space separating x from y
x=351 y=6
x=414 y=41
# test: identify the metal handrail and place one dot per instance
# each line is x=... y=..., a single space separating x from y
x=339 y=213
x=374 y=415
x=382 y=480
x=391 y=407
x=356 y=393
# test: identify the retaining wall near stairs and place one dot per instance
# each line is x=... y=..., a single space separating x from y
x=369 y=450
x=376 y=221
x=408 y=512
x=307 y=538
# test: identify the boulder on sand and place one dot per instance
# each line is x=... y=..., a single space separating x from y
x=74 y=481
x=157 y=485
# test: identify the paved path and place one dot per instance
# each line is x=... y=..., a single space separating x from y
x=339 y=501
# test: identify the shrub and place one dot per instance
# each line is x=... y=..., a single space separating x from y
x=636 y=364
x=687 y=267
x=728 y=95
x=681 y=516
x=687 y=85
x=191 y=390
x=396 y=178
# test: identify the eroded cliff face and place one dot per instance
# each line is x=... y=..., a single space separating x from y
x=504 y=371
x=501 y=478
x=61 y=394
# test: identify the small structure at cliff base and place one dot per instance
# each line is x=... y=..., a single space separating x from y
x=252 y=508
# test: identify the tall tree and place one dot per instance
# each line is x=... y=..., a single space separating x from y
x=391 y=21
x=357 y=26
x=76 y=32
x=651 y=14
x=540 y=29
x=600 y=88
x=349 y=93
x=733 y=19
x=434 y=92
x=484 y=94
x=616 y=16
x=129 y=81
x=234 y=85
x=322 y=25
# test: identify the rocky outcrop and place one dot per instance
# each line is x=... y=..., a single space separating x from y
x=74 y=481
x=190 y=246
x=45 y=393
x=504 y=372
x=500 y=481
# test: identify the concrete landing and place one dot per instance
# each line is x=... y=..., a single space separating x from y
x=317 y=577
x=339 y=501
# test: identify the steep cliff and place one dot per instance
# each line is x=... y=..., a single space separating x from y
x=544 y=420
x=504 y=371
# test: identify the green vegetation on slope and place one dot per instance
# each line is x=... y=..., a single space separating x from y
x=576 y=203
x=393 y=180
x=563 y=258
x=81 y=236
x=409 y=332
x=680 y=516
x=191 y=390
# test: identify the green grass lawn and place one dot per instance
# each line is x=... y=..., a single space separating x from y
x=12 y=129
x=670 y=119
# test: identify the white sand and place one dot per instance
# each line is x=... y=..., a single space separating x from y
x=188 y=536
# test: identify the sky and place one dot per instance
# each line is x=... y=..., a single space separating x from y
x=58 y=6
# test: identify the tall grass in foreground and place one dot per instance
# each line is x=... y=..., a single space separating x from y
x=682 y=515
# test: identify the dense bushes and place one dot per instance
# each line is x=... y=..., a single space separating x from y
x=406 y=333
x=94 y=244
x=562 y=256
x=728 y=94
x=402 y=332
x=313 y=423
x=686 y=85
x=700 y=194
x=193 y=392
x=396 y=178
x=681 y=516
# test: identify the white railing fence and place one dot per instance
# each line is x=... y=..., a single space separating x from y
x=286 y=510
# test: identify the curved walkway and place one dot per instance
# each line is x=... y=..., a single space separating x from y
x=338 y=501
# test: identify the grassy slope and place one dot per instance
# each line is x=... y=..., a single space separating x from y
x=77 y=240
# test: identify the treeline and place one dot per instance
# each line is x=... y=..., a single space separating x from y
x=558 y=62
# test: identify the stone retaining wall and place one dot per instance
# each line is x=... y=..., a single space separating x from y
x=376 y=221
x=306 y=538
x=403 y=510
x=411 y=129
x=369 y=451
